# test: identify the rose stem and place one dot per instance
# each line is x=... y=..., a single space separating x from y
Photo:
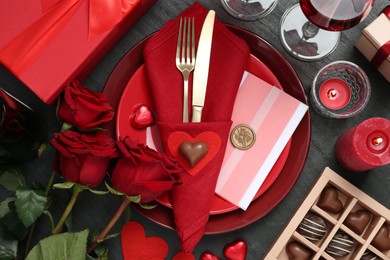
x=76 y=190
x=110 y=224
x=31 y=231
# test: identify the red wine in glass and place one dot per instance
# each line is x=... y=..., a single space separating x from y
x=311 y=29
x=336 y=15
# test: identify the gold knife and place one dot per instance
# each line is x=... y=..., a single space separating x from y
x=202 y=64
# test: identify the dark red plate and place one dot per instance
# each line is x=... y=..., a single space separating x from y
x=287 y=78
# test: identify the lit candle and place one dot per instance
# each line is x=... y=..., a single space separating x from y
x=335 y=93
x=365 y=146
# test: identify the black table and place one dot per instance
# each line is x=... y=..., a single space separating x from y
x=94 y=212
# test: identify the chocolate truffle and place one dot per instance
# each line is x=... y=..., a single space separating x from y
x=312 y=227
x=357 y=221
x=382 y=239
x=368 y=255
x=296 y=251
x=340 y=245
x=329 y=200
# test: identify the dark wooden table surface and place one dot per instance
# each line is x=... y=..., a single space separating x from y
x=94 y=212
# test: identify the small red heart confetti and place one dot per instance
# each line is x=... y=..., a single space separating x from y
x=236 y=250
x=209 y=256
x=183 y=256
x=142 y=117
x=135 y=244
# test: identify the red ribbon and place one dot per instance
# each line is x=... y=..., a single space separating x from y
x=24 y=49
x=384 y=51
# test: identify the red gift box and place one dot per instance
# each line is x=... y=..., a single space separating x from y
x=48 y=43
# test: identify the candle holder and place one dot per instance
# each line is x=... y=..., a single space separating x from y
x=341 y=89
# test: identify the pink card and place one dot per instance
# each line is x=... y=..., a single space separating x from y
x=273 y=115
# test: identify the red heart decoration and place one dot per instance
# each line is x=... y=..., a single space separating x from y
x=183 y=256
x=135 y=244
x=329 y=201
x=211 y=139
x=382 y=239
x=236 y=250
x=142 y=117
x=357 y=221
x=209 y=256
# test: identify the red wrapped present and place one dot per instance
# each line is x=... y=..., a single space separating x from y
x=374 y=43
x=47 y=43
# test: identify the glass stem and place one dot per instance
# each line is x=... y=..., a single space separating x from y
x=309 y=30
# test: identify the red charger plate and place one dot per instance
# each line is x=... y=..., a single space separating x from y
x=137 y=92
x=300 y=141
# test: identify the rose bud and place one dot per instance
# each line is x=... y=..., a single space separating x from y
x=143 y=171
x=84 y=108
x=84 y=158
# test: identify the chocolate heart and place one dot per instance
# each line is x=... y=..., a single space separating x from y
x=382 y=240
x=296 y=251
x=236 y=250
x=193 y=152
x=209 y=256
x=358 y=221
x=329 y=201
x=142 y=117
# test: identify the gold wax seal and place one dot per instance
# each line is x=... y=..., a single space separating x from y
x=242 y=137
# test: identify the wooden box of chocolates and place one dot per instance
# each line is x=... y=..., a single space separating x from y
x=335 y=221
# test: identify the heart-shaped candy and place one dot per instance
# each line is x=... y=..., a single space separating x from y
x=193 y=152
x=357 y=221
x=135 y=244
x=296 y=251
x=382 y=239
x=329 y=201
x=142 y=117
x=183 y=256
x=236 y=250
x=211 y=139
x=209 y=256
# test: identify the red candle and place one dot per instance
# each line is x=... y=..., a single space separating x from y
x=335 y=93
x=365 y=146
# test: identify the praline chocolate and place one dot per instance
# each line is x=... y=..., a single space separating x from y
x=340 y=245
x=312 y=227
x=382 y=239
x=357 y=221
x=368 y=255
x=329 y=200
x=296 y=251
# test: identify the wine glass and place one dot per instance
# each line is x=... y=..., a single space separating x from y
x=311 y=29
x=249 y=10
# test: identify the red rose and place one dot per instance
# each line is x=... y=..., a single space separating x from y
x=84 y=158
x=84 y=108
x=143 y=171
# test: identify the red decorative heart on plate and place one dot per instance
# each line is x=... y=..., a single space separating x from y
x=329 y=201
x=382 y=239
x=209 y=256
x=211 y=139
x=135 y=244
x=142 y=117
x=236 y=250
x=357 y=221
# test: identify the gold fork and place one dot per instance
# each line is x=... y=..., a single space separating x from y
x=185 y=56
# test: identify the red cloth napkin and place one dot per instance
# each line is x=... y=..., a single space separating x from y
x=191 y=199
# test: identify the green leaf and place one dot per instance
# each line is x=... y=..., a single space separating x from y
x=29 y=205
x=12 y=178
x=4 y=207
x=134 y=199
x=65 y=246
x=146 y=206
x=65 y=185
x=8 y=246
x=98 y=192
x=113 y=191
x=14 y=225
